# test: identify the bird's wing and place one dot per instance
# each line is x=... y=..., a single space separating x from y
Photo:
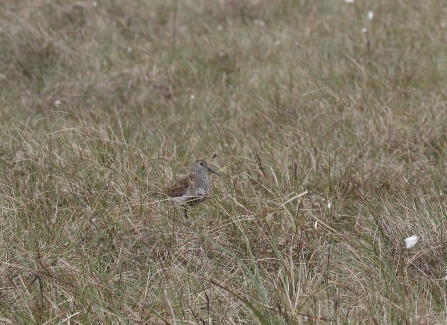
x=179 y=188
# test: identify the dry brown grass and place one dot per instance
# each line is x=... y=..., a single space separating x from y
x=101 y=105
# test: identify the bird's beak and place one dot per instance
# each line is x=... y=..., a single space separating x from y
x=213 y=171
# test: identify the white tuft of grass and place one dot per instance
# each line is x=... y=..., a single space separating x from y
x=411 y=241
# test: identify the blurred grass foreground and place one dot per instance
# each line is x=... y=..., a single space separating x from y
x=328 y=123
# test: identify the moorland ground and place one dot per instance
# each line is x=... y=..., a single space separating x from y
x=329 y=125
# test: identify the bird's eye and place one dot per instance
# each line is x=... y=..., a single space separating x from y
x=201 y=164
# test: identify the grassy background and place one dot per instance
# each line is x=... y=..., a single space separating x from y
x=103 y=103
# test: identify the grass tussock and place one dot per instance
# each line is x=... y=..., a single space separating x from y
x=330 y=135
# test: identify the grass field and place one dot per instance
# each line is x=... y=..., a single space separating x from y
x=329 y=124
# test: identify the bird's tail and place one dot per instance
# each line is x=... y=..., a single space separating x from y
x=158 y=194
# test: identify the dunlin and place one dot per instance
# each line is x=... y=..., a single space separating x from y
x=192 y=189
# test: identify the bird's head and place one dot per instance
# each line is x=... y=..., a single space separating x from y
x=201 y=166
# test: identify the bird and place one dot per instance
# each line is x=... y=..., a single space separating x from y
x=192 y=189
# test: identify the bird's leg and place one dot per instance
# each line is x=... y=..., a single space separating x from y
x=186 y=213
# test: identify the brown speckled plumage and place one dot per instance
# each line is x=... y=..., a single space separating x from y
x=193 y=188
